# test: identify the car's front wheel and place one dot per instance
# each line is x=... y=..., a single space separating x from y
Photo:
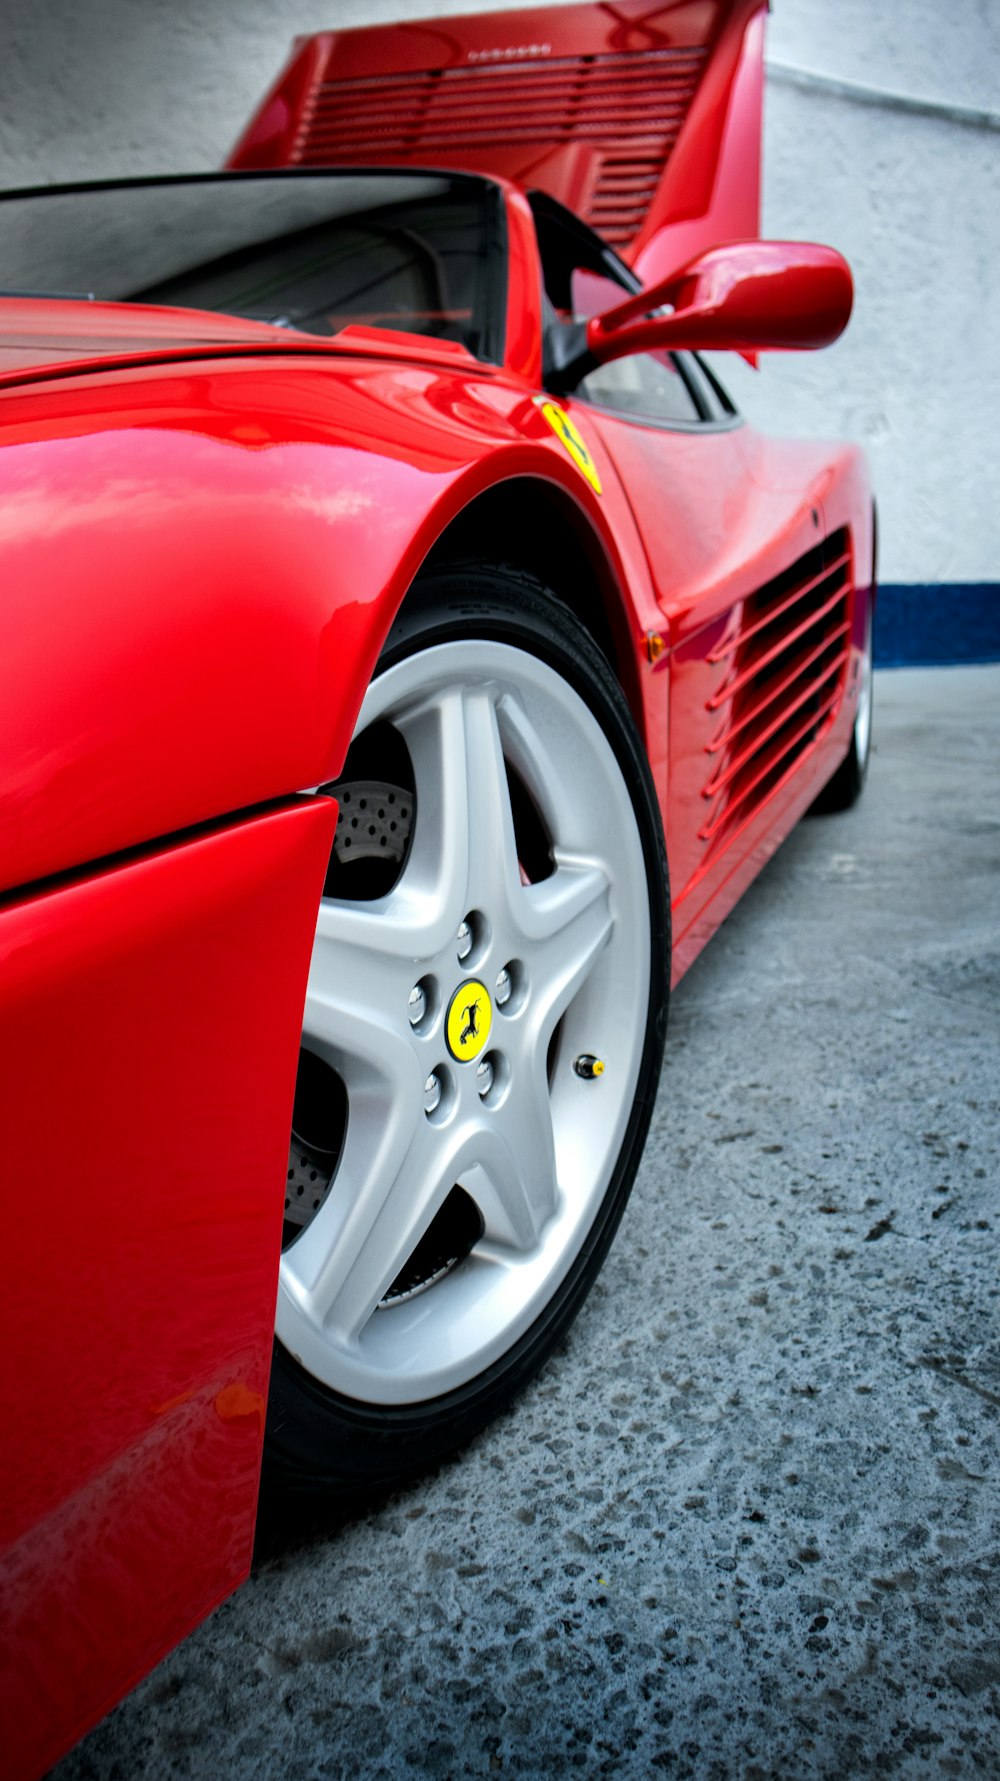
x=483 y=1032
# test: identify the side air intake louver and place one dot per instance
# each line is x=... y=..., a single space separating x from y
x=783 y=672
x=632 y=104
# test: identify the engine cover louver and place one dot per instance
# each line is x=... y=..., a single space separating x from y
x=626 y=108
x=783 y=665
x=642 y=118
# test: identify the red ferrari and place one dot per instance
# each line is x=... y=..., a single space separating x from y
x=393 y=605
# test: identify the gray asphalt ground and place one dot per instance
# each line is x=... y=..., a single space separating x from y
x=746 y=1522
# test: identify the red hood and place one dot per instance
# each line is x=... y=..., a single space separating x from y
x=39 y=333
x=644 y=119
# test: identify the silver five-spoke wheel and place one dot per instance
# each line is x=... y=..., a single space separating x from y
x=482 y=1016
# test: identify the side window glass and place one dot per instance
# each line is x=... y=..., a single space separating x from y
x=582 y=277
x=646 y=386
x=715 y=400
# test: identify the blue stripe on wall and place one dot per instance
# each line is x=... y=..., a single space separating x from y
x=937 y=626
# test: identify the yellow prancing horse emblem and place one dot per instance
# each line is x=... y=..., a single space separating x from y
x=571 y=437
x=470 y=1018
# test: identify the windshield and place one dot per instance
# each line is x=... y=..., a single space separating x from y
x=314 y=251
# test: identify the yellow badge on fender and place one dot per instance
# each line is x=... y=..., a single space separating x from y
x=469 y=1020
x=571 y=437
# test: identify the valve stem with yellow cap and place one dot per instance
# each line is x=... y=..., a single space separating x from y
x=588 y=1066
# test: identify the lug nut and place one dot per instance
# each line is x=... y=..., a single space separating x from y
x=504 y=988
x=418 y=1005
x=588 y=1066
x=484 y=1077
x=464 y=940
x=432 y=1093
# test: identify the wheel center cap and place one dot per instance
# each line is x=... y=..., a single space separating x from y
x=470 y=1017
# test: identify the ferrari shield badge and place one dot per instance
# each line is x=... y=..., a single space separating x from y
x=570 y=436
x=469 y=1020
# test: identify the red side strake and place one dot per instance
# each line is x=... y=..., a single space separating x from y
x=644 y=120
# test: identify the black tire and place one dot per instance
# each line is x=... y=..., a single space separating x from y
x=848 y=782
x=320 y=1437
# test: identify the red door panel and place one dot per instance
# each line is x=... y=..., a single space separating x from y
x=712 y=535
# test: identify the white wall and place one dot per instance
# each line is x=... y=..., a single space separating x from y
x=914 y=203
x=132 y=86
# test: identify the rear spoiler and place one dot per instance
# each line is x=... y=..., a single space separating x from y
x=644 y=119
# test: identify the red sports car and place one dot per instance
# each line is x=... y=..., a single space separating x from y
x=393 y=604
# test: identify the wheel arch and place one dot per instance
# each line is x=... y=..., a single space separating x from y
x=270 y=581
x=529 y=524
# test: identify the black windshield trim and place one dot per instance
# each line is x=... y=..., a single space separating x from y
x=68 y=187
x=494 y=320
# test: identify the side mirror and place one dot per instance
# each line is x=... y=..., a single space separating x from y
x=749 y=296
